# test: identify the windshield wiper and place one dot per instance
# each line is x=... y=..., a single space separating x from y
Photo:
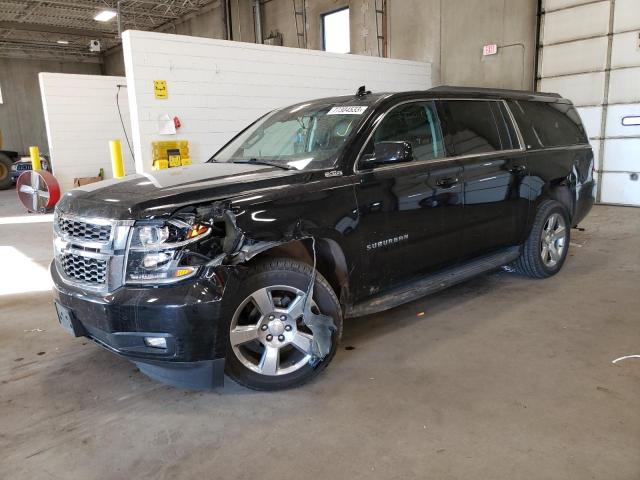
x=258 y=161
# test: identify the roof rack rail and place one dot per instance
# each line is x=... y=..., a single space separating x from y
x=497 y=91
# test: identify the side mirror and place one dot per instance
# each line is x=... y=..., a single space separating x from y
x=386 y=153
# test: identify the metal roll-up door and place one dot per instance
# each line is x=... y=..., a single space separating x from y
x=589 y=52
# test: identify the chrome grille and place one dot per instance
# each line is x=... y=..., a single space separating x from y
x=90 y=251
x=84 y=269
x=79 y=230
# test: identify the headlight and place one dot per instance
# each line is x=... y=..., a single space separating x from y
x=157 y=252
x=152 y=236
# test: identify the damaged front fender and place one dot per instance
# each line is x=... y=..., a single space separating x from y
x=238 y=248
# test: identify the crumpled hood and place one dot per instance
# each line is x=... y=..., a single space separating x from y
x=159 y=193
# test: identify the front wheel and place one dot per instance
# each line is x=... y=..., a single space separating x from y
x=269 y=345
x=545 y=250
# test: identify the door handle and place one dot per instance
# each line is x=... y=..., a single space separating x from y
x=446 y=182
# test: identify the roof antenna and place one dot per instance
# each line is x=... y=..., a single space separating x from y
x=362 y=91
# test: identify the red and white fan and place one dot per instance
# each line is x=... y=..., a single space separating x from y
x=38 y=190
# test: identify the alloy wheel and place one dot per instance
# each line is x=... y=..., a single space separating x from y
x=267 y=333
x=553 y=240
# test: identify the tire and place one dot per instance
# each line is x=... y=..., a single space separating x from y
x=285 y=280
x=5 y=172
x=545 y=250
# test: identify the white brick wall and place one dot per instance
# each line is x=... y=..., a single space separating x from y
x=217 y=87
x=81 y=117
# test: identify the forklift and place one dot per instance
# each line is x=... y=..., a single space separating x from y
x=7 y=159
x=12 y=164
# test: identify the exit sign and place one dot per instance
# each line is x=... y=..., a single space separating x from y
x=490 y=49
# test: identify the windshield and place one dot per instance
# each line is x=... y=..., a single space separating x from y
x=307 y=136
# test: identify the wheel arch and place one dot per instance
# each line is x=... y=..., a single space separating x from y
x=330 y=260
x=561 y=191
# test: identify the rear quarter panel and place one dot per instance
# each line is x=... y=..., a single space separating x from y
x=564 y=174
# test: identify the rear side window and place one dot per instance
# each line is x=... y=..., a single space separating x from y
x=511 y=140
x=548 y=124
x=476 y=126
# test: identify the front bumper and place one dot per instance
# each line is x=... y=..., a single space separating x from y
x=188 y=315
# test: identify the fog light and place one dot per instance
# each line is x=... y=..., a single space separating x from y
x=155 y=342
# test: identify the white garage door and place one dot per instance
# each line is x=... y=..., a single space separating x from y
x=589 y=52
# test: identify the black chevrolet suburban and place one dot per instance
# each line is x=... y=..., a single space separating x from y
x=333 y=208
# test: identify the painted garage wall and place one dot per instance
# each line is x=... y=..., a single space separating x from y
x=590 y=53
x=447 y=34
x=208 y=22
x=217 y=87
x=81 y=117
x=21 y=118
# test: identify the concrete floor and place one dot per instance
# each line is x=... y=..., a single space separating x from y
x=502 y=378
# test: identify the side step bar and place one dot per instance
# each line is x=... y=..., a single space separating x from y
x=433 y=283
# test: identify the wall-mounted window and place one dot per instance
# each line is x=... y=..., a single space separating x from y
x=632 y=121
x=335 y=31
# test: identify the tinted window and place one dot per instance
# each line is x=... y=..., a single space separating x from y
x=548 y=124
x=416 y=123
x=472 y=127
x=511 y=137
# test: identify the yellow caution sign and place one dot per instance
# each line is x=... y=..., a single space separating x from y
x=160 y=89
x=174 y=161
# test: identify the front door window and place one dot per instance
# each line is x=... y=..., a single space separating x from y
x=416 y=123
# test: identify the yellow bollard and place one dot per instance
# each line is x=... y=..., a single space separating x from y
x=117 y=164
x=35 y=158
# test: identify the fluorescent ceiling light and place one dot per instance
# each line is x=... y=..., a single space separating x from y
x=63 y=42
x=105 y=16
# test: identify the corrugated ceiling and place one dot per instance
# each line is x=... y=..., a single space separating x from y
x=33 y=28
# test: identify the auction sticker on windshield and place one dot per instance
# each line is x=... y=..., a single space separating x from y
x=347 y=110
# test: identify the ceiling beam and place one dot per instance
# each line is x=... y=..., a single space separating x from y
x=137 y=14
x=46 y=45
x=207 y=7
x=11 y=48
x=46 y=55
x=38 y=27
x=96 y=8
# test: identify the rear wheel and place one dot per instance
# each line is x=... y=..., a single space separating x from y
x=5 y=172
x=269 y=345
x=545 y=250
